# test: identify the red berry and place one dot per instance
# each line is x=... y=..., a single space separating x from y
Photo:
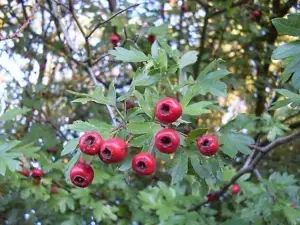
x=114 y=39
x=90 y=143
x=168 y=110
x=53 y=150
x=256 y=13
x=208 y=145
x=113 y=150
x=167 y=140
x=235 y=189
x=210 y=197
x=82 y=174
x=143 y=163
x=37 y=173
x=183 y=8
x=25 y=172
x=54 y=189
x=129 y=105
x=81 y=160
x=151 y=38
x=292 y=205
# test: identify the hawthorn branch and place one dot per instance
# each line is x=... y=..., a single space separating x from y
x=250 y=168
x=22 y=28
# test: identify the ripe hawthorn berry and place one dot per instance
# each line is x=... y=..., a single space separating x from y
x=82 y=174
x=210 y=197
x=183 y=8
x=143 y=163
x=113 y=150
x=37 y=173
x=52 y=150
x=235 y=189
x=256 y=13
x=90 y=143
x=167 y=140
x=114 y=39
x=168 y=110
x=208 y=145
x=151 y=38
x=25 y=172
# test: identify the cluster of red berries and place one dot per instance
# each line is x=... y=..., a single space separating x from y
x=36 y=173
x=115 y=150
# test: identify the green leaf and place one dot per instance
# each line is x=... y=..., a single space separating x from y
x=8 y=159
x=194 y=134
x=111 y=95
x=214 y=65
x=28 y=150
x=160 y=30
x=187 y=59
x=143 y=79
x=292 y=215
x=289 y=94
x=217 y=74
x=143 y=104
x=12 y=113
x=162 y=60
x=200 y=170
x=286 y=50
x=179 y=168
x=70 y=147
x=231 y=143
x=175 y=54
x=296 y=80
x=143 y=128
x=70 y=164
x=289 y=26
x=197 y=109
x=132 y=55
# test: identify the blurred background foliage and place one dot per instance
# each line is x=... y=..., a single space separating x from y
x=50 y=57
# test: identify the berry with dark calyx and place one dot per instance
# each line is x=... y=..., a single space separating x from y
x=113 y=150
x=151 y=38
x=37 y=173
x=114 y=39
x=54 y=189
x=208 y=145
x=167 y=140
x=25 y=172
x=143 y=163
x=168 y=110
x=235 y=188
x=82 y=174
x=90 y=143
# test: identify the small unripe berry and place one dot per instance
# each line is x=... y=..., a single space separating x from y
x=143 y=163
x=82 y=174
x=151 y=38
x=167 y=140
x=25 y=172
x=208 y=145
x=235 y=188
x=37 y=173
x=168 y=110
x=113 y=150
x=90 y=143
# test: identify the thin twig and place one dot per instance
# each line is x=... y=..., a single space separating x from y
x=110 y=18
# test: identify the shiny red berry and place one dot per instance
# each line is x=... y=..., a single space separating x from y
x=151 y=38
x=168 y=110
x=113 y=150
x=208 y=145
x=37 y=173
x=82 y=174
x=167 y=140
x=25 y=172
x=90 y=143
x=143 y=163
x=114 y=39
x=129 y=105
x=235 y=188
